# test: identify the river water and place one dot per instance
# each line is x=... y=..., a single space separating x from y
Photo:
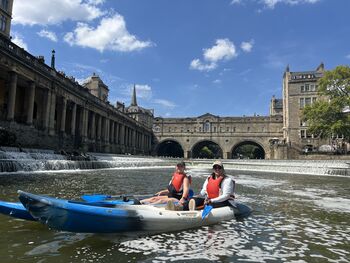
x=296 y=218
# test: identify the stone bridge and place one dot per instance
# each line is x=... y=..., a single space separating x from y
x=182 y=137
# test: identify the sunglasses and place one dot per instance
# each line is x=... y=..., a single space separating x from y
x=217 y=167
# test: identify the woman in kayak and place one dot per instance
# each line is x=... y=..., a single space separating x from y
x=217 y=190
x=178 y=189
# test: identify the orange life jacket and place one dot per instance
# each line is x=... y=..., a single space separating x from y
x=177 y=181
x=213 y=186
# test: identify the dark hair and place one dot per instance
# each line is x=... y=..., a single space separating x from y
x=182 y=163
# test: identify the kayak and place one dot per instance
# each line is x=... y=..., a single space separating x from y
x=15 y=210
x=73 y=216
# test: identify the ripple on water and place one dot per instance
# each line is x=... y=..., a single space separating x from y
x=257 y=239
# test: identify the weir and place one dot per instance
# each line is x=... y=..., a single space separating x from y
x=31 y=160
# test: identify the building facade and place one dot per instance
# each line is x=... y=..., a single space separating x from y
x=5 y=17
x=46 y=109
x=299 y=90
x=281 y=135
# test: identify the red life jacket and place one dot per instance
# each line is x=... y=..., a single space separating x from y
x=177 y=181
x=213 y=186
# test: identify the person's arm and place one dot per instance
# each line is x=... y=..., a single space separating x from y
x=163 y=192
x=203 y=192
x=227 y=188
x=185 y=190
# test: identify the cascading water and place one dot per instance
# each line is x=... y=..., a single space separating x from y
x=26 y=160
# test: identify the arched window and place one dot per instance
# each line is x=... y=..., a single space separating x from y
x=206 y=127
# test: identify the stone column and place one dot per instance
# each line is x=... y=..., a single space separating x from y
x=52 y=114
x=63 y=116
x=121 y=135
x=84 y=123
x=93 y=124
x=133 y=138
x=116 y=133
x=46 y=115
x=30 y=103
x=99 y=127
x=112 y=132
x=74 y=118
x=143 y=142
x=12 y=96
x=106 y=135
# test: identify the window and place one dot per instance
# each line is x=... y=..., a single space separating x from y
x=301 y=103
x=314 y=100
x=302 y=133
x=3 y=23
x=227 y=129
x=248 y=129
x=214 y=129
x=5 y=4
x=307 y=87
x=302 y=88
x=234 y=129
x=307 y=101
x=206 y=126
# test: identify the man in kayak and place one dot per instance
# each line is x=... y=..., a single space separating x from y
x=217 y=190
x=178 y=189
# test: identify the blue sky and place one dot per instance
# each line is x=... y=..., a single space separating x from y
x=187 y=57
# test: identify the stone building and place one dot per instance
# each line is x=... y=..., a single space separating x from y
x=281 y=135
x=5 y=17
x=299 y=90
x=96 y=87
x=44 y=108
x=226 y=133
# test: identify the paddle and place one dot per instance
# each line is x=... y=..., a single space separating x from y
x=101 y=197
x=206 y=211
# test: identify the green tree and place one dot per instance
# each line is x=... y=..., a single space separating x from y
x=329 y=115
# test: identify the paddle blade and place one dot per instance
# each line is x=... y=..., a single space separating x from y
x=206 y=211
x=95 y=198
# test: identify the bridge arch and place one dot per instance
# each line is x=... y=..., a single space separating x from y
x=248 y=149
x=207 y=149
x=169 y=148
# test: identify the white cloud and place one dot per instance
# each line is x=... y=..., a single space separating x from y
x=165 y=103
x=110 y=34
x=247 y=46
x=272 y=3
x=348 y=56
x=224 y=49
x=48 y=34
x=233 y=2
x=198 y=65
x=217 y=81
x=143 y=91
x=43 y=12
x=18 y=40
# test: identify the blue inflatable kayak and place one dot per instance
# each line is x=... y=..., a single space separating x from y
x=65 y=215
x=15 y=210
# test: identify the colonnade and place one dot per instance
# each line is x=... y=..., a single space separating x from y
x=60 y=114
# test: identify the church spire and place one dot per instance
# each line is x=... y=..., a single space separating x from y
x=133 y=99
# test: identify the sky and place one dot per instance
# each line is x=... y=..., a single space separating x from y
x=187 y=57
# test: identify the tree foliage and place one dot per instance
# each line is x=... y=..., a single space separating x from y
x=329 y=116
